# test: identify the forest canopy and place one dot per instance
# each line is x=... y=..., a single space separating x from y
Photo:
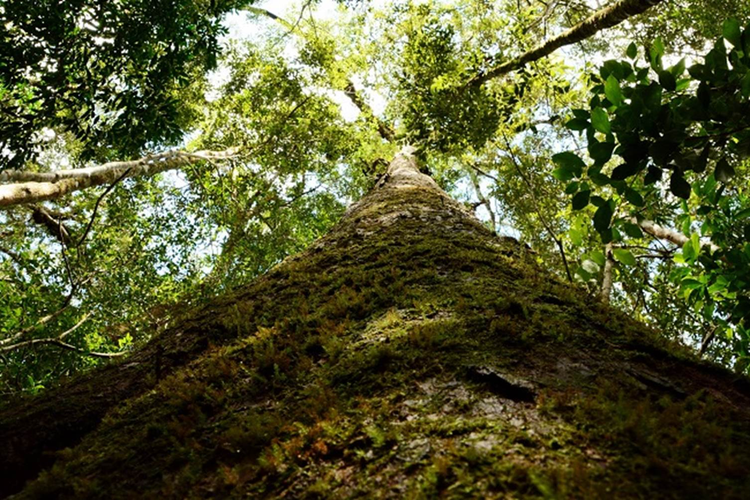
x=157 y=154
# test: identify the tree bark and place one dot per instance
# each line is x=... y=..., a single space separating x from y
x=668 y=234
x=410 y=352
x=33 y=187
x=619 y=11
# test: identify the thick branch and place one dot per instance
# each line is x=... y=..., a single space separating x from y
x=665 y=233
x=55 y=226
x=605 y=18
x=385 y=130
x=63 y=345
x=51 y=185
x=13 y=255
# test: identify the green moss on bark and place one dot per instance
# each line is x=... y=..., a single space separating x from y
x=408 y=354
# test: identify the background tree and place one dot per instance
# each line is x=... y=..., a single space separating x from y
x=109 y=74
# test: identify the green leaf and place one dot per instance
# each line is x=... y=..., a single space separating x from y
x=632 y=51
x=569 y=161
x=654 y=174
x=571 y=188
x=590 y=267
x=563 y=174
x=724 y=171
x=746 y=84
x=732 y=32
x=570 y=166
x=576 y=237
x=678 y=69
x=581 y=114
x=632 y=230
x=634 y=197
x=601 y=152
x=679 y=186
x=600 y=121
x=688 y=252
x=667 y=81
x=718 y=287
x=683 y=84
x=656 y=53
x=598 y=201
x=581 y=200
x=613 y=91
x=598 y=257
x=603 y=216
x=598 y=177
x=577 y=124
x=691 y=283
x=686 y=227
x=624 y=171
x=624 y=256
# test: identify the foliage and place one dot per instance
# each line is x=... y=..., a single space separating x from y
x=110 y=73
x=667 y=146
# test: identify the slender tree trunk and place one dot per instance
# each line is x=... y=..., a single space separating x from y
x=409 y=353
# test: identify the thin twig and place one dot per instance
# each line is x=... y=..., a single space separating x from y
x=58 y=341
x=96 y=206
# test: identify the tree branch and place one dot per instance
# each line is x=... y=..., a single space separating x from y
x=605 y=18
x=51 y=185
x=55 y=226
x=666 y=233
x=483 y=200
x=42 y=321
x=385 y=130
x=13 y=255
x=58 y=341
x=96 y=207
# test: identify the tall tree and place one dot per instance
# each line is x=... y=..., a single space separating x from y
x=310 y=370
x=410 y=352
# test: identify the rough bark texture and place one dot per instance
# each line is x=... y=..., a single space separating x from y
x=409 y=353
x=607 y=17
x=33 y=187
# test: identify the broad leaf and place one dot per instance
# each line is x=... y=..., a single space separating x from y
x=600 y=121
x=603 y=216
x=724 y=171
x=679 y=186
x=613 y=91
x=624 y=256
x=732 y=32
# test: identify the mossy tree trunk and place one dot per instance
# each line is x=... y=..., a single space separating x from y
x=409 y=353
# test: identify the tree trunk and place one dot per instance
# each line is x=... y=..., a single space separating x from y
x=409 y=353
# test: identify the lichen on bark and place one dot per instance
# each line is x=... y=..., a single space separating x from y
x=409 y=353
